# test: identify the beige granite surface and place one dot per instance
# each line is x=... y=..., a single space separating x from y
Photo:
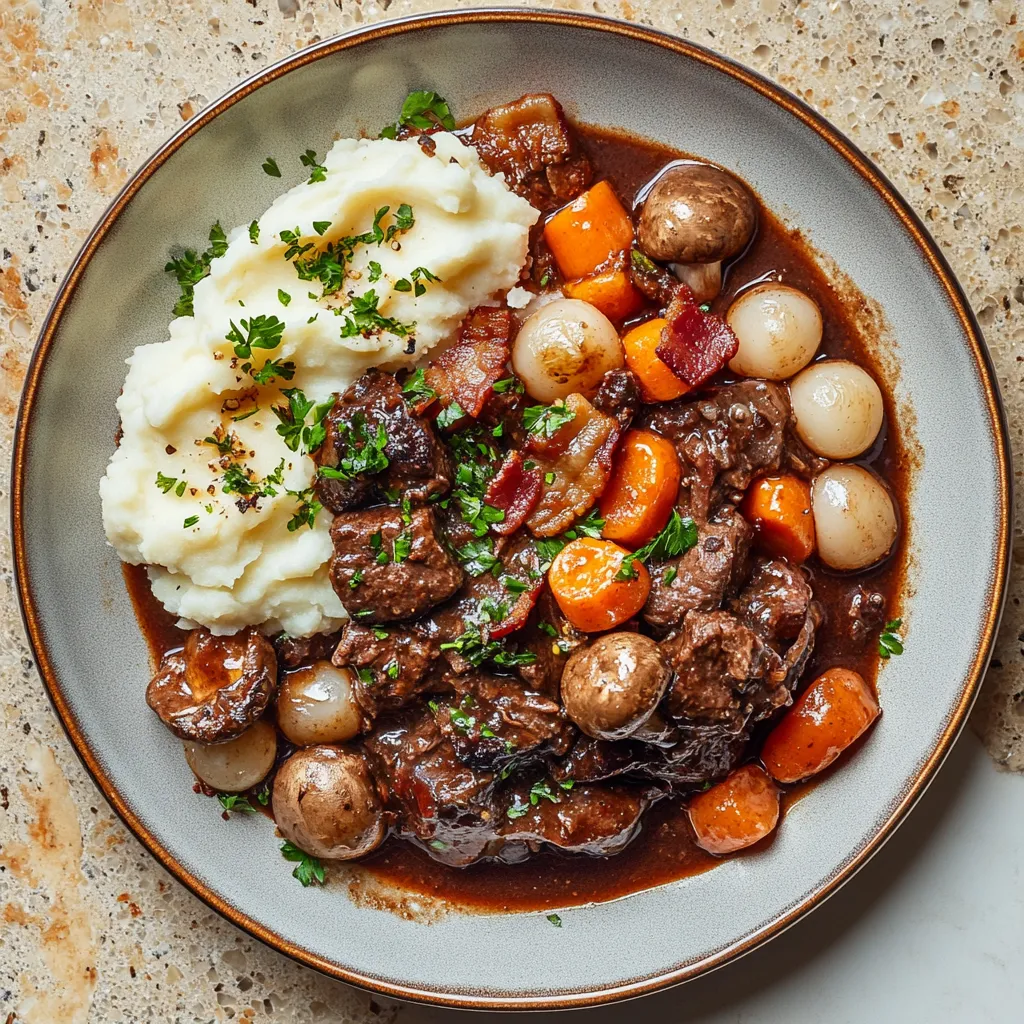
x=91 y=929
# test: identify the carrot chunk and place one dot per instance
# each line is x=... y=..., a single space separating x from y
x=736 y=812
x=779 y=509
x=657 y=382
x=642 y=490
x=582 y=578
x=827 y=717
x=589 y=231
x=611 y=291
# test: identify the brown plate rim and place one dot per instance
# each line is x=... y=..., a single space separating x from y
x=870 y=174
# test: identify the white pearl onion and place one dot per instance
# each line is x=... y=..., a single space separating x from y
x=838 y=408
x=854 y=517
x=237 y=765
x=317 y=705
x=565 y=347
x=778 y=329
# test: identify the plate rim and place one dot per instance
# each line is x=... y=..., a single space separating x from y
x=872 y=176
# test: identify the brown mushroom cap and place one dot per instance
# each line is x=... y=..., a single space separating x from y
x=612 y=687
x=216 y=687
x=325 y=802
x=696 y=213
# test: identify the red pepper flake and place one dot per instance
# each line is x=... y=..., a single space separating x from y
x=514 y=490
x=694 y=345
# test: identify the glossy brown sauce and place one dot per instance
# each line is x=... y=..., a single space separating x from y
x=664 y=850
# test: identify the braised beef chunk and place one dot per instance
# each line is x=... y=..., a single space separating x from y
x=411 y=462
x=652 y=280
x=392 y=665
x=385 y=569
x=618 y=395
x=774 y=603
x=440 y=801
x=703 y=577
x=724 y=672
x=724 y=440
x=702 y=753
x=550 y=638
x=293 y=651
x=865 y=614
x=599 y=820
x=531 y=143
x=494 y=720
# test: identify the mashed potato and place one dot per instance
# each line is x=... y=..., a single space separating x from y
x=203 y=487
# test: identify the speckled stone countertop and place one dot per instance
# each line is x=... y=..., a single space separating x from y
x=91 y=929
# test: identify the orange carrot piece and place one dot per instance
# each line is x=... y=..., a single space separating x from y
x=657 y=382
x=779 y=509
x=582 y=578
x=589 y=231
x=737 y=812
x=828 y=716
x=611 y=291
x=642 y=490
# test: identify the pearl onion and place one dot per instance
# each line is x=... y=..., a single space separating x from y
x=237 y=765
x=778 y=328
x=854 y=517
x=564 y=347
x=838 y=408
x=317 y=705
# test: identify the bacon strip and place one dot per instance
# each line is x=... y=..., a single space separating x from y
x=515 y=490
x=466 y=372
x=519 y=612
x=694 y=345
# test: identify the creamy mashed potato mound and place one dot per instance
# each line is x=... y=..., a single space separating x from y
x=210 y=562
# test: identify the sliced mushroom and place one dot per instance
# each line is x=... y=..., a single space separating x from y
x=215 y=687
x=611 y=688
x=325 y=802
x=696 y=213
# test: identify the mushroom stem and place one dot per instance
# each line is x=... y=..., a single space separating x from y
x=704 y=279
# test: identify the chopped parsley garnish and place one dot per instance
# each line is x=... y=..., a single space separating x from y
x=402 y=546
x=555 y=920
x=283 y=297
x=189 y=269
x=416 y=389
x=165 y=483
x=450 y=415
x=317 y=170
x=545 y=278
x=547 y=420
x=546 y=627
x=542 y=791
x=472 y=647
x=320 y=226
x=357 y=578
x=245 y=415
x=890 y=642
x=379 y=632
x=295 y=245
x=235 y=802
x=223 y=442
x=437 y=844
x=260 y=332
x=678 y=536
x=307 y=511
x=514 y=586
x=271 y=370
x=670 y=574
x=476 y=513
x=513 y=384
x=549 y=478
x=254 y=232
x=419 y=275
x=191 y=521
x=423 y=109
x=477 y=557
x=365 y=674
x=590 y=525
x=360 y=452
x=461 y=721
x=308 y=870
x=292 y=426
x=363 y=317
x=391 y=670
x=705 y=307
x=517 y=810
x=270 y=167
x=548 y=548
x=493 y=611
x=375 y=270
x=642 y=263
x=238 y=480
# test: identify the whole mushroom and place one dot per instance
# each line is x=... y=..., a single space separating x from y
x=215 y=687
x=611 y=688
x=325 y=802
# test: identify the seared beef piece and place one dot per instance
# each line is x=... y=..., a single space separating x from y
x=506 y=409
x=654 y=281
x=707 y=574
x=531 y=143
x=494 y=720
x=592 y=760
x=293 y=651
x=774 y=603
x=800 y=651
x=382 y=590
x=401 y=664
x=724 y=440
x=725 y=673
x=598 y=820
x=865 y=614
x=618 y=395
x=552 y=638
x=797 y=457
x=440 y=801
x=418 y=464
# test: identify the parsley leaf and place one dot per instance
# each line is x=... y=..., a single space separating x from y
x=308 y=870
x=555 y=920
x=363 y=317
x=416 y=389
x=678 y=536
x=590 y=526
x=375 y=271
x=509 y=384
x=419 y=275
x=360 y=451
x=320 y=226
x=890 y=642
x=477 y=557
x=546 y=420
x=254 y=232
x=260 y=332
x=270 y=167
x=422 y=109
x=307 y=511
x=317 y=170
x=165 y=483
x=189 y=269
x=292 y=426
x=450 y=415
x=191 y=521
x=235 y=802
x=272 y=369
x=283 y=297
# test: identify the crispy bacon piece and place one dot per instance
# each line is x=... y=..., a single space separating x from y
x=694 y=345
x=581 y=464
x=466 y=372
x=515 y=491
x=519 y=612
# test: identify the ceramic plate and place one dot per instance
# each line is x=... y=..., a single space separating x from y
x=116 y=296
